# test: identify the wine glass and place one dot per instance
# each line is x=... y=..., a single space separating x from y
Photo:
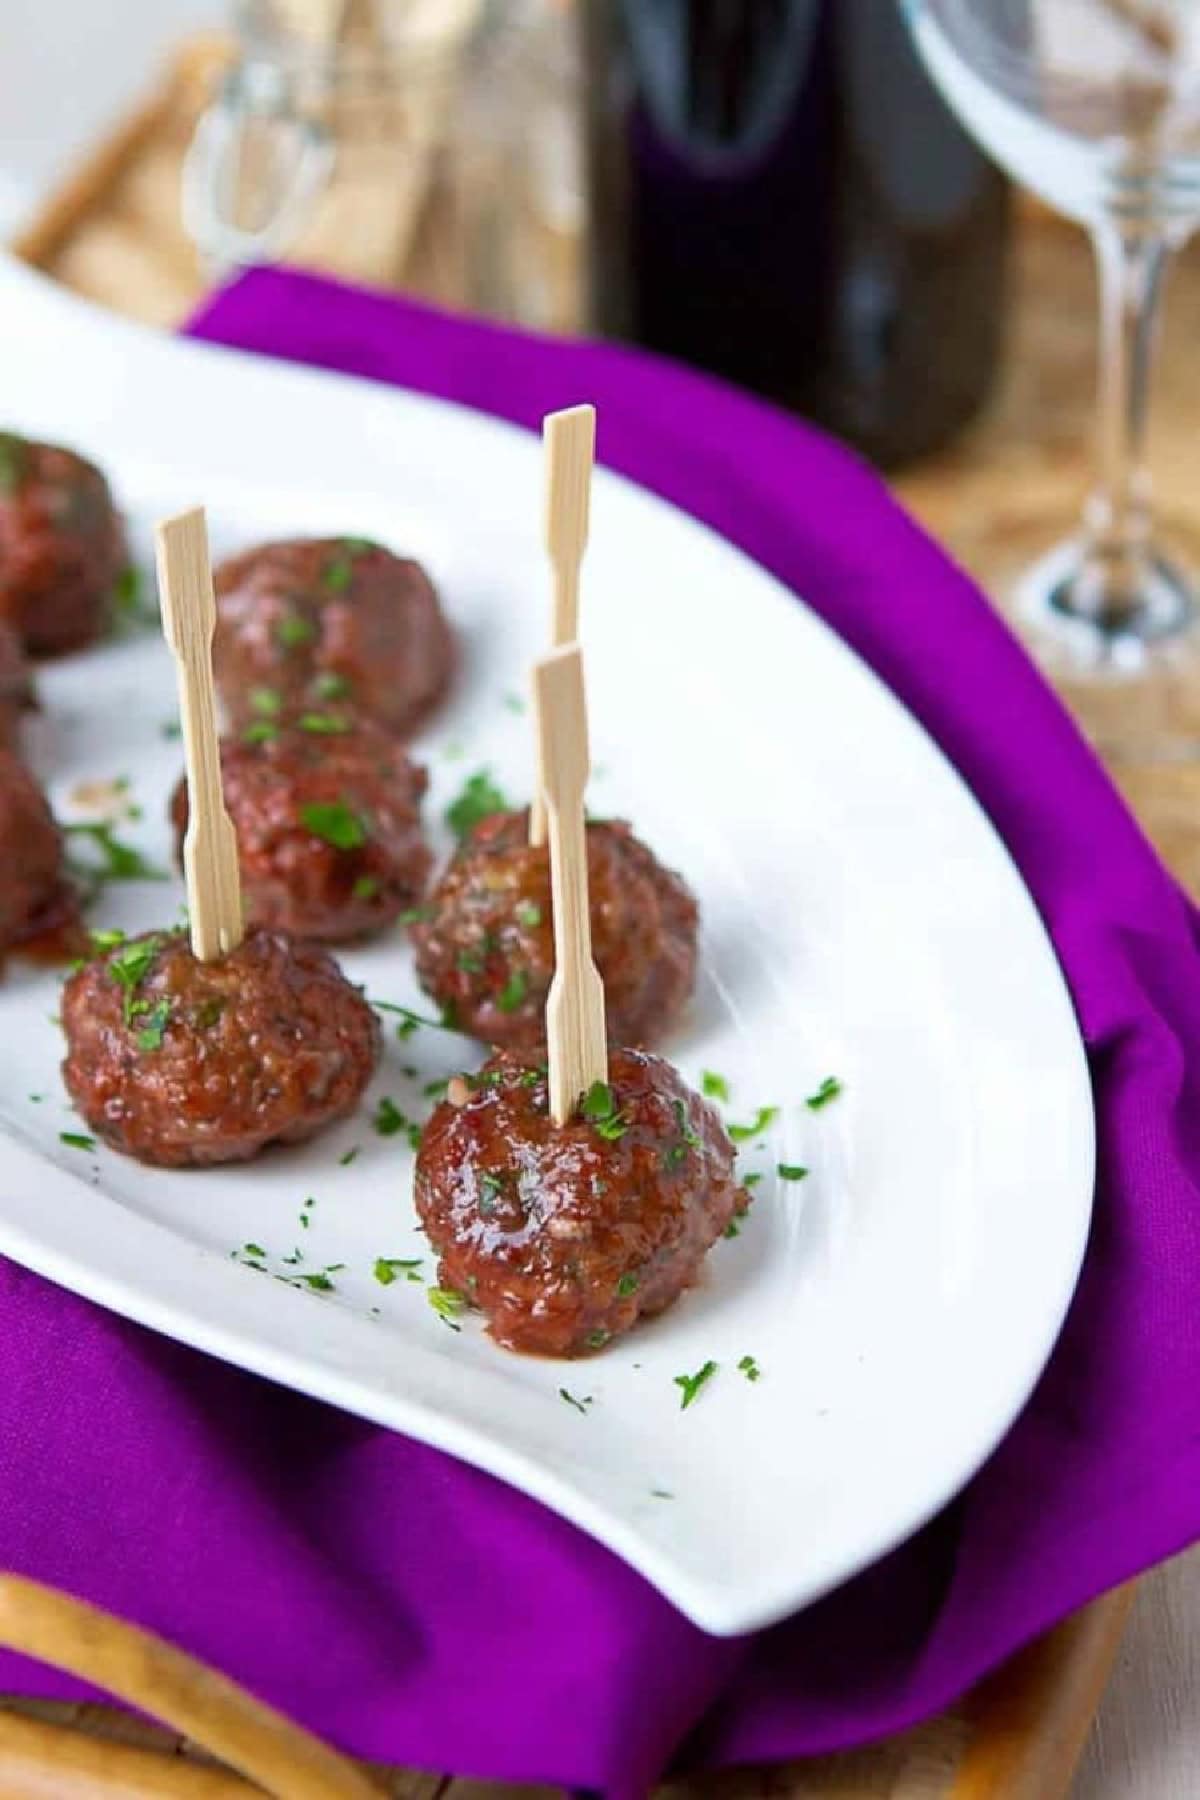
x=1095 y=105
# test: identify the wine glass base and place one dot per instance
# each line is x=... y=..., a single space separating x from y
x=1069 y=635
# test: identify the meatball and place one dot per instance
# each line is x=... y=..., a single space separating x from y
x=564 y=1237
x=328 y=826
x=181 y=1063
x=16 y=688
x=485 y=944
x=35 y=897
x=314 y=621
x=62 y=546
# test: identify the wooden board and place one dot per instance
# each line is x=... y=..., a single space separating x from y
x=998 y=496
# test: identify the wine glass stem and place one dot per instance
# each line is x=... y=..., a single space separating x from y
x=1112 y=581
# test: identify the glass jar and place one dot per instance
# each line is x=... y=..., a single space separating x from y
x=428 y=145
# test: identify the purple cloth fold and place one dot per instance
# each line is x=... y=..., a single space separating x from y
x=413 y=1609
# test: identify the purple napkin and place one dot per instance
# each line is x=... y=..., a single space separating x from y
x=412 y=1609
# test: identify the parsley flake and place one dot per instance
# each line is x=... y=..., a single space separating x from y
x=513 y=992
x=580 y=1406
x=528 y=913
x=293 y=630
x=150 y=1036
x=763 y=1118
x=599 y=1108
x=113 y=860
x=329 y=685
x=391 y=1268
x=260 y=731
x=628 y=1284
x=323 y=724
x=829 y=1090
x=266 y=702
x=752 y=1180
x=690 y=1385
x=348 y=1156
x=478 y=800
x=714 y=1086
x=77 y=1140
x=447 y=1303
x=749 y=1368
x=365 y=888
x=334 y=823
x=790 y=1171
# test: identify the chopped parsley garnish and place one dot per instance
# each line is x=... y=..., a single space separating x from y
x=339 y=571
x=469 y=961
x=447 y=1303
x=334 y=823
x=209 y=1011
x=253 y=1250
x=12 y=461
x=128 y=966
x=752 y=1180
x=171 y=729
x=77 y=1140
x=410 y=1021
x=528 y=913
x=596 y=1340
x=790 y=1171
x=628 y=1284
x=388 y=1118
x=293 y=630
x=115 y=861
x=391 y=1268
x=714 y=1086
x=260 y=731
x=690 y=1385
x=513 y=991
x=478 y=800
x=661 y=1494
x=491 y=1186
x=829 y=1090
x=599 y=1108
x=348 y=1156
x=763 y=1118
x=675 y=1156
x=319 y=1283
x=297 y=1256
x=107 y=939
x=690 y=1137
x=365 y=888
x=150 y=1036
x=732 y=1230
x=266 y=702
x=435 y=1090
x=37 y=1099
x=580 y=1406
x=749 y=1368
x=329 y=685
x=323 y=724
x=130 y=602
x=413 y=914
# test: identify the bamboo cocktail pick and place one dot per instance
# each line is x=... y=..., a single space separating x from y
x=569 y=438
x=575 y=1035
x=189 y=614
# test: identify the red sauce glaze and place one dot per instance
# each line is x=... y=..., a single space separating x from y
x=62 y=546
x=485 y=947
x=187 y=1063
x=16 y=687
x=319 y=622
x=35 y=896
x=293 y=875
x=564 y=1238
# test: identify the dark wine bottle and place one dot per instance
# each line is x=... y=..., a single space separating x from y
x=778 y=194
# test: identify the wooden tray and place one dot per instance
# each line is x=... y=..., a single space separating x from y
x=113 y=233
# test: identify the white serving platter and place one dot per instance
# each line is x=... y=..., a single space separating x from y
x=861 y=919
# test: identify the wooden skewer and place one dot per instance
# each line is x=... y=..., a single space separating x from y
x=210 y=862
x=569 y=438
x=575 y=1035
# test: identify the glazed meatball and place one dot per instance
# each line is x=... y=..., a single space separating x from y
x=318 y=621
x=485 y=943
x=35 y=897
x=328 y=827
x=16 y=688
x=178 y=1062
x=62 y=546
x=564 y=1237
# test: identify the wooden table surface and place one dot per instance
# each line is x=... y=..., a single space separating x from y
x=1007 y=489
